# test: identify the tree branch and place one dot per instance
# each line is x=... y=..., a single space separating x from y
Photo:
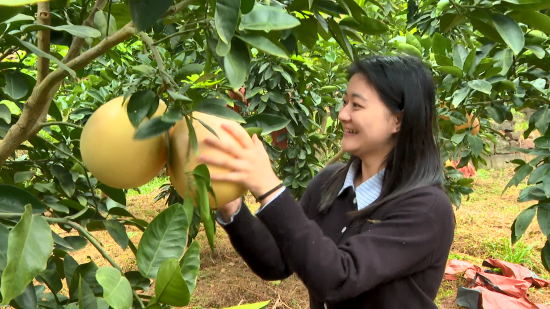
x=175 y=34
x=160 y=63
x=336 y=157
x=74 y=50
x=18 y=133
x=43 y=18
x=59 y=123
x=8 y=52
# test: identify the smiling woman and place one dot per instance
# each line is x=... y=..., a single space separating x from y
x=373 y=233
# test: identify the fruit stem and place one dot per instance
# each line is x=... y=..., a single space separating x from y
x=160 y=63
x=60 y=123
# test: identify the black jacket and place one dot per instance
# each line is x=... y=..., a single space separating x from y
x=394 y=259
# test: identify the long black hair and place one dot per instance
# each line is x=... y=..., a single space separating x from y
x=404 y=84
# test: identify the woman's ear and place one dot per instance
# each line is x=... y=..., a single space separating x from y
x=398 y=120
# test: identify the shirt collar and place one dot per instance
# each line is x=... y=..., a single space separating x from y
x=368 y=191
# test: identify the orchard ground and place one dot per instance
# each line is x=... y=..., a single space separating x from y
x=483 y=231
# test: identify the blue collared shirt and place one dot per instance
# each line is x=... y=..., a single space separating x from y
x=365 y=193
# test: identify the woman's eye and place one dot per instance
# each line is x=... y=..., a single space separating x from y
x=356 y=105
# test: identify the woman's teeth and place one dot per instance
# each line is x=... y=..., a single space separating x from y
x=351 y=131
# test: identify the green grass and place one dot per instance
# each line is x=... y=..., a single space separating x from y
x=149 y=187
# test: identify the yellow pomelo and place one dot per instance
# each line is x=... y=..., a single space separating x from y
x=475 y=125
x=181 y=166
x=110 y=152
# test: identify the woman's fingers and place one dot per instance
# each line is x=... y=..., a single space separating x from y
x=229 y=163
x=224 y=147
x=231 y=177
x=240 y=135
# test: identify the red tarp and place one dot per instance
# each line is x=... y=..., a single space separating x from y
x=494 y=291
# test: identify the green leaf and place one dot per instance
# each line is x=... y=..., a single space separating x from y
x=439 y=46
x=365 y=25
x=140 y=104
x=247 y=6
x=531 y=193
x=518 y=177
x=533 y=19
x=13 y=200
x=495 y=113
x=152 y=128
x=116 y=195
x=23 y=176
x=409 y=50
x=226 y=18
x=76 y=243
x=76 y=30
x=460 y=95
x=544 y=120
x=8 y=12
x=117 y=290
x=118 y=232
x=190 y=264
x=537 y=50
x=16 y=86
x=4 y=236
x=204 y=208
x=449 y=70
x=30 y=244
x=545 y=255
x=5 y=113
x=146 y=12
x=236 y=64
x=341 y=38
x=65 y=179
x=481 y=85
x=86 y=297
x=28 y=299
x=522 y=222
x=170 y=287
x=165 y=237
x=307 y=32
x=32 y=48
x=543 y=142
x=510 y=32
x=411 y=39
x=443 y=61
x=219 y=111
x=538 y=174
x=267 y=122
x=449 y=21
x=264 y=44
x=476 y=144
x=486 y=29
x=268 y=18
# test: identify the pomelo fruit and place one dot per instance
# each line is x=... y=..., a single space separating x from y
x=475 y=125
x=181 y=167
x=110 y=152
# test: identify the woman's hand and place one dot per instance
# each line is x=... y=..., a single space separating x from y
x=249 y=165
x=230 y=209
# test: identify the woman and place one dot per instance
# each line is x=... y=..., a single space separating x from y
x=374 y=233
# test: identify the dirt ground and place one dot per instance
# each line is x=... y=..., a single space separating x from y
x=483 y=227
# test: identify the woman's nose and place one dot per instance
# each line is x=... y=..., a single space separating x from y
x=343 y=115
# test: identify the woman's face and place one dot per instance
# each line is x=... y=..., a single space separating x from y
x=368 y=124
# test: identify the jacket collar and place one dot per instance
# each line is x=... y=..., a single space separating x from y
x=368 y=191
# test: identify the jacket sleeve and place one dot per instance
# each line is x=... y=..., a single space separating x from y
x=397 y=246
x=255 y=244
